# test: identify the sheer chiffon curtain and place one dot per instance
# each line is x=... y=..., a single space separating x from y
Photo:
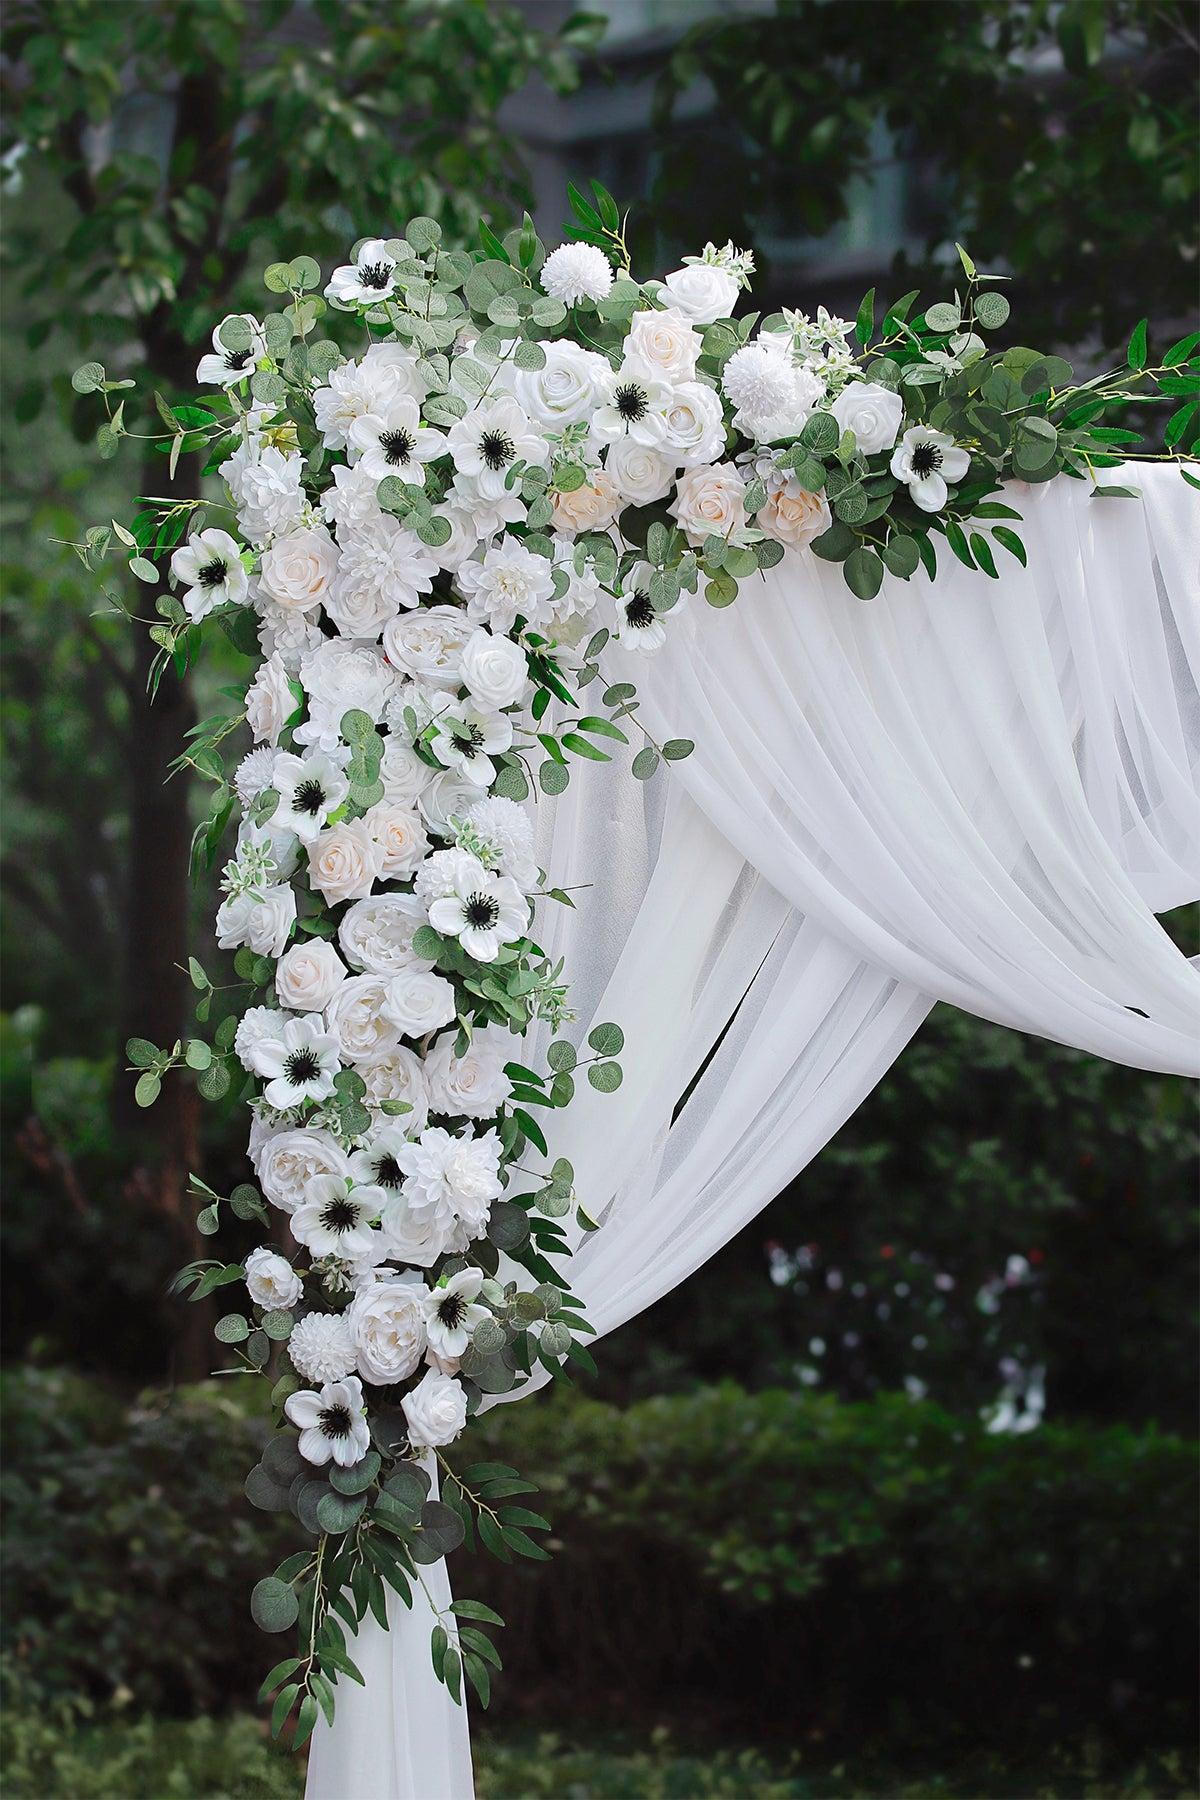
x=972 y=791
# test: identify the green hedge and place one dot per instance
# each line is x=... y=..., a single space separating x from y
x=869 y=1571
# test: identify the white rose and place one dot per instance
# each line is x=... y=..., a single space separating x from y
x=400 y=835
x=357 y=1019
x=271 y=1280
x=695 y=424
x=665 y=342
x=495 y=670
x=702 y=292
x=642 y=474
x=567 y=389
x=376 y=935
x=873 y=413
x=397 y=1075
x=427 y=644
x=473 y=1084
x=270 y=701
x=387 y=1327
x=447 y=797
x=309 y=975
x=793 y=516
x=297 y=570
x=289 y=1161
x=418 y=1001
x=345 y=862
x=264 y=924
x=710 y=502
x=592 y=507
x=402 y=771
x=436 y=1411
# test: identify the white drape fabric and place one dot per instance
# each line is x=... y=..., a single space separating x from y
x=966 y=790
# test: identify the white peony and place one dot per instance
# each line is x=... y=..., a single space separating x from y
x=397 y=1075
x=710 y=502
x=427 y=645
x=576 y=272
x=494 y=669
x=386 y=1322
x=309 y=975
x=289 y=1161
x=297 y=570
x=339 y=678
x=345 y=862
x=271 y=1280
x=376 y=935
x=357 y=1019
x=473 y=1084
x=418 y=1002
x=873 y=413
x=255 y=1024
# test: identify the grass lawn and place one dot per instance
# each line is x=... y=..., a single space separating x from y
x=231 y=1759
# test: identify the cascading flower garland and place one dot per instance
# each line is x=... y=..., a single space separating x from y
x=442 y=526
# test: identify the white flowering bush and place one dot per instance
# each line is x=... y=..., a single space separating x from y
x=451 y=483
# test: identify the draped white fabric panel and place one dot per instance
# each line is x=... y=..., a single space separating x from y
x=969 y=790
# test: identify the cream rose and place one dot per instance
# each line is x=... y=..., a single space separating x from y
x=695 y=424
x=592 y=507
x=666 y=343
x=356 y=1018
x=271 y=1280
x=400 y=835
x=793 y=516
x=345 y=862
x=436 y=1411
x=473 y=1084
x=309 y=975
x=297 y=570
x=873 y=413
x=710 y=502
x=642 y=474
x=270 y=701
x=402 y=772
x=387 y=1328
x=495 y=670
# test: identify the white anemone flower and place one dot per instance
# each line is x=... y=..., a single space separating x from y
x=576 y=272
x=468 y=736
x=366 y=281
x=488 y=440
x=332 y=1422
x=298 y=1063
x=335 y=1220
x=392 y=441
x=209 y=568
x=377 y=1164
x=483 y=911
x=221 y=367
x=637 y=410
x=640 y=628
x=309 y=788
x=925 y=461
x=451 y=1314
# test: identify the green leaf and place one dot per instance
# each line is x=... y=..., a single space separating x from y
x=284 y=1701
x=943 y=317
x=821 y=433
x=279 y=1673
x=991 y=311
x=273 y=1605
x=864 y=324
x=677 y=749
x=982 y=552
x=553 y=777
x=340 y=1512
x=88 y=377
x=901 y=555
x=306 y=1719
x=1011 y=542
x=147 y=1089
x=232 y=1329
x=863 y=572
x=607 y=1039
x=475 y=1609
x=358 y=1477
x=1136 y=354
x=645 y=763
x=605 y=1077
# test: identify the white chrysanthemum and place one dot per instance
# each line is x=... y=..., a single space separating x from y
x=254 y=773
x=576 y=272
x=757 y=381
x=510 y=581
x=506 y=831
x=255 y=1025
x=322 y=1348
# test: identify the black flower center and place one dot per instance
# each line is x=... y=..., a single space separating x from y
x=310 y=797
x=451 y=1311
x=638 y=609
x=925 y=459
x=236 y=359
x=339 y=1215
x=212 y=574
x=497 y=449
x=388 y=1172
x=375 y=275
x=302 y=1066
x=468 y=739
x=335 y=1421
x=630 y=400
x=397 y=446
x=481 y=911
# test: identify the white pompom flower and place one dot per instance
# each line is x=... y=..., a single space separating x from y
x=321 y=1347
x=333 y=1423
x=576 y=272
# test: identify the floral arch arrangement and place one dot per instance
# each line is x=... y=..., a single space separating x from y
x=438 y=522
